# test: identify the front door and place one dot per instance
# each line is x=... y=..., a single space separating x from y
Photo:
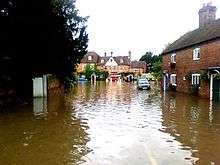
x=216 y=90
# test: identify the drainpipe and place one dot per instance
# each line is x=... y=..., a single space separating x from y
x=211 y=87
x=164 y=83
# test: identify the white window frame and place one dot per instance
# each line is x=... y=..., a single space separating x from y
x=196 y=53
x=90 y=58
x=173 y=58
x=121 y=60
x=173 y=79
x=195 y=79
x=102 y=61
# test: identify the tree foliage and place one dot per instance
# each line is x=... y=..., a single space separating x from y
x=149 y=58
x=90 y=69
x=39 y=37
x=154 y=63
x=157 y=70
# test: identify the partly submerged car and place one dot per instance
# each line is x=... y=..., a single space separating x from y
x=143 y=83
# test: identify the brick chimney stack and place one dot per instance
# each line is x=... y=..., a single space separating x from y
x=207 y=14
x=129 y=55
x=111 y=54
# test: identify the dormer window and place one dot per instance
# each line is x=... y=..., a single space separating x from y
x=173 y=58
x=121 y=60
x=196 y=54
x=102 y=61
x=89 y=58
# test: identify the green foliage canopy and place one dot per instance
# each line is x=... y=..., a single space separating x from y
x=39 y=37
x=45 y=36
x=149 y=58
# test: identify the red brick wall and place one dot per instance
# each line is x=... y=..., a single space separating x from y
x=209 y=56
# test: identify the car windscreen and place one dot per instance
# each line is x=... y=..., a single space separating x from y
x=142 y=81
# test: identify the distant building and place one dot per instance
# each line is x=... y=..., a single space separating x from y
x=192 y=63
x=91 y=58
x=138 y=67
x=112 y=64
x=118 y=64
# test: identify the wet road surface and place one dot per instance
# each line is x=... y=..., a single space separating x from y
x=112 y=124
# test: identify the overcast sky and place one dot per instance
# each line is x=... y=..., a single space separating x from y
x=138 y=25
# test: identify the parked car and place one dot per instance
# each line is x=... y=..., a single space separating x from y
x=143 y=83
x=82 y=78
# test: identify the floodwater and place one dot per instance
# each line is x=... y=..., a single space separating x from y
x=112 y=124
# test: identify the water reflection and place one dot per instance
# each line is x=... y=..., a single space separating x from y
x=124 y=126
x=40 y=106
x=195 y=123
x=112 y=123
x=54 y=138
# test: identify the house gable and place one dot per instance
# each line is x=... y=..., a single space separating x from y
x=111 y=62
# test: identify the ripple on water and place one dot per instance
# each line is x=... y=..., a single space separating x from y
x=121 y=117
x=113 y=123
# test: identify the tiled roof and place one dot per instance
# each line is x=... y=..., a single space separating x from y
x=138 y=64
x=94 y=58
x=105 y=60
x=122 y=60
x=198 y=36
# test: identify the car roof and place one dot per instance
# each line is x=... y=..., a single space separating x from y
x=142 y=79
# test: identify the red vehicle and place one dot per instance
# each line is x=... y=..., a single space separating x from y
x=114 y=77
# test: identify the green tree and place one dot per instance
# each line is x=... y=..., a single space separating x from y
x=157 y=70
x=89 y=70
x=150 y=59
x=39 y=37
x=147 y=57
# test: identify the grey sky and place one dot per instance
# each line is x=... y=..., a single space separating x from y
x=138 y=25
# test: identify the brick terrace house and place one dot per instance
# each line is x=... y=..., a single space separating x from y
x=117 y=64
x=111 y=64
x=192 y=63
x=138 y=67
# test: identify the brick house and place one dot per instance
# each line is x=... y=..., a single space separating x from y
x=191 y=64
x=91 y=58
x=118 y=64
x=111 y=64
x=138 y=67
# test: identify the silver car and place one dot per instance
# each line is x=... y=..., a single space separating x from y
x=143 y=83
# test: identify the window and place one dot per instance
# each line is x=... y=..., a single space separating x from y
x=196 y=54
x=195 y=79
x=173 y=58
x=121 y=60
x=102 y=61
x=89 y=58
x=173 y=79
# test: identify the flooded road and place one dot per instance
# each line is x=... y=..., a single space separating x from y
x=112 y=124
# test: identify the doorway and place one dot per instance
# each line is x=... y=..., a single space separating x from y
x=216 y=90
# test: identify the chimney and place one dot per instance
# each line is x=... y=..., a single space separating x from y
x=129 y=55
x=105 y=54
x=207 y=15
x=111 y=54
